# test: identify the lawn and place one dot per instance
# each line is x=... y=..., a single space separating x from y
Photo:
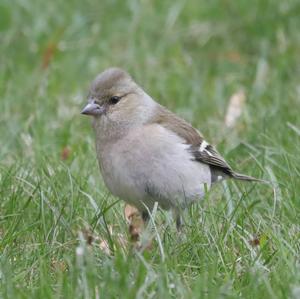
x=241 y=241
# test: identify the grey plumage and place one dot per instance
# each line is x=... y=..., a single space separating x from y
x=146 y=153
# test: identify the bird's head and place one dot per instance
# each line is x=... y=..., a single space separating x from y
x=115 y=97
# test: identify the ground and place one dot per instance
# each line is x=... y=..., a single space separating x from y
x=62 y=234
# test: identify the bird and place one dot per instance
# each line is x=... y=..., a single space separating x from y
x=148 y=154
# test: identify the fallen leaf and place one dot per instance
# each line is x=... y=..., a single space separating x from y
x=235 y=108
x=59 y=265
x=52 y=47
x=136 y=222
x=65 y=153
x=92 y=239
x=129 y=212
x=104 y=246
x=254 y=242
x=234 y=56
x=48 y=54
x=88 y=236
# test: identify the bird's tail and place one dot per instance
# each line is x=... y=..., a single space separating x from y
x=243 y=177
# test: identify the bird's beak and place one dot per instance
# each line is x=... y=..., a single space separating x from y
x=93 y=109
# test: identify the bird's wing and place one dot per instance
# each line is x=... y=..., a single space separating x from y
x=200 y=149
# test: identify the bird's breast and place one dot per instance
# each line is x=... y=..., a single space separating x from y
x=151 y=164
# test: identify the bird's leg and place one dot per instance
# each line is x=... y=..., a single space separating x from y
x=178 y=223
x=178 y=219
x=145 y=216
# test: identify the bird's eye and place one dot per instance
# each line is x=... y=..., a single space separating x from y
x=114 y=100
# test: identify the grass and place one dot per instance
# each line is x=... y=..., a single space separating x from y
x=239 y=242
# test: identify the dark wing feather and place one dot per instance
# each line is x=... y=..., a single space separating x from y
x=218 y=166
x=206 y=154
x=209 y=155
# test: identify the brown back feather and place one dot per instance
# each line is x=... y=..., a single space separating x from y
x=173 y=123
x=209 y=156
